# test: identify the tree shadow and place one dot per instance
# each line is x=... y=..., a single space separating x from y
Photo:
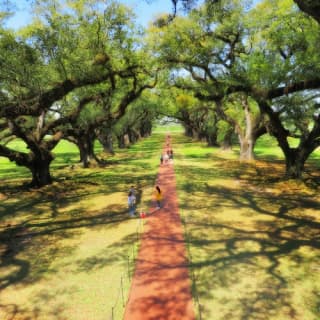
x=253 y=238
x=275 y=231
x=40 y=239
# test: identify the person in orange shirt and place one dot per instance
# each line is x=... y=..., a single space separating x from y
x=158 y=196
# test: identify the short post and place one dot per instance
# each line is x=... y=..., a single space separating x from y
x=128 y=260
x=122 y=292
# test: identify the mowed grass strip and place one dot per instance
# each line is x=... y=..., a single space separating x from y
x=66 y=248
x=253 y=238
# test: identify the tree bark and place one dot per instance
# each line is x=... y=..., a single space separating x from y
x=311 y=7
x=38 y=160
x=133 y=136
x=212 y=139
x=145 y=128
x=227 y=139
x=295 y=161
x=246 y=148
x=212 y=131
x=40 y=170
x=121 y=141
x=84 y=155
x=295 y=157
x=108 y=146
x=85 y=144
x=188 y=130
x=106 y=139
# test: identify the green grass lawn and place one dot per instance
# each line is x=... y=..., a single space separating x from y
x=252 y=237
x=67 y=249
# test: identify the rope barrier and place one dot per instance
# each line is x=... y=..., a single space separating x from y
x=185 y=221
x=126 y=275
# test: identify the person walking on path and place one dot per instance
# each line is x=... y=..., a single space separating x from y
x=166 y=158
x=171 y=154
x=131 y=204
x=158 y=197
x=132 y=190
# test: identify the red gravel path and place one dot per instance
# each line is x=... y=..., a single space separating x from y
x=161 y=286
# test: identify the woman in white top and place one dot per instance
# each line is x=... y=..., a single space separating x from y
x=131 y=204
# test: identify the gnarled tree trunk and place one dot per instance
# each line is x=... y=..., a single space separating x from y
x=85 y=144
x=227 y=140
x=133 y=136
x=121 y=143
x=105 y=137
x=39 y=165
x=145 y=129
x=246 y=148
x=295 y=161
x=295 y=157
x=254 y=128
x=40 y=173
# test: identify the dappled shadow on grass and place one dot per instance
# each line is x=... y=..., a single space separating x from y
x=114 y=181
x=71 y=184
x=35 y=223
x=236 y=253
x=14 y=311
x=30 y=250
x=39 y=237
x=193 y=172
x=254 y=240
x=116 y=253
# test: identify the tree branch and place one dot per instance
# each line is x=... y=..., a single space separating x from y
x=294 y=87
x=20 y=158
x=33 y=106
